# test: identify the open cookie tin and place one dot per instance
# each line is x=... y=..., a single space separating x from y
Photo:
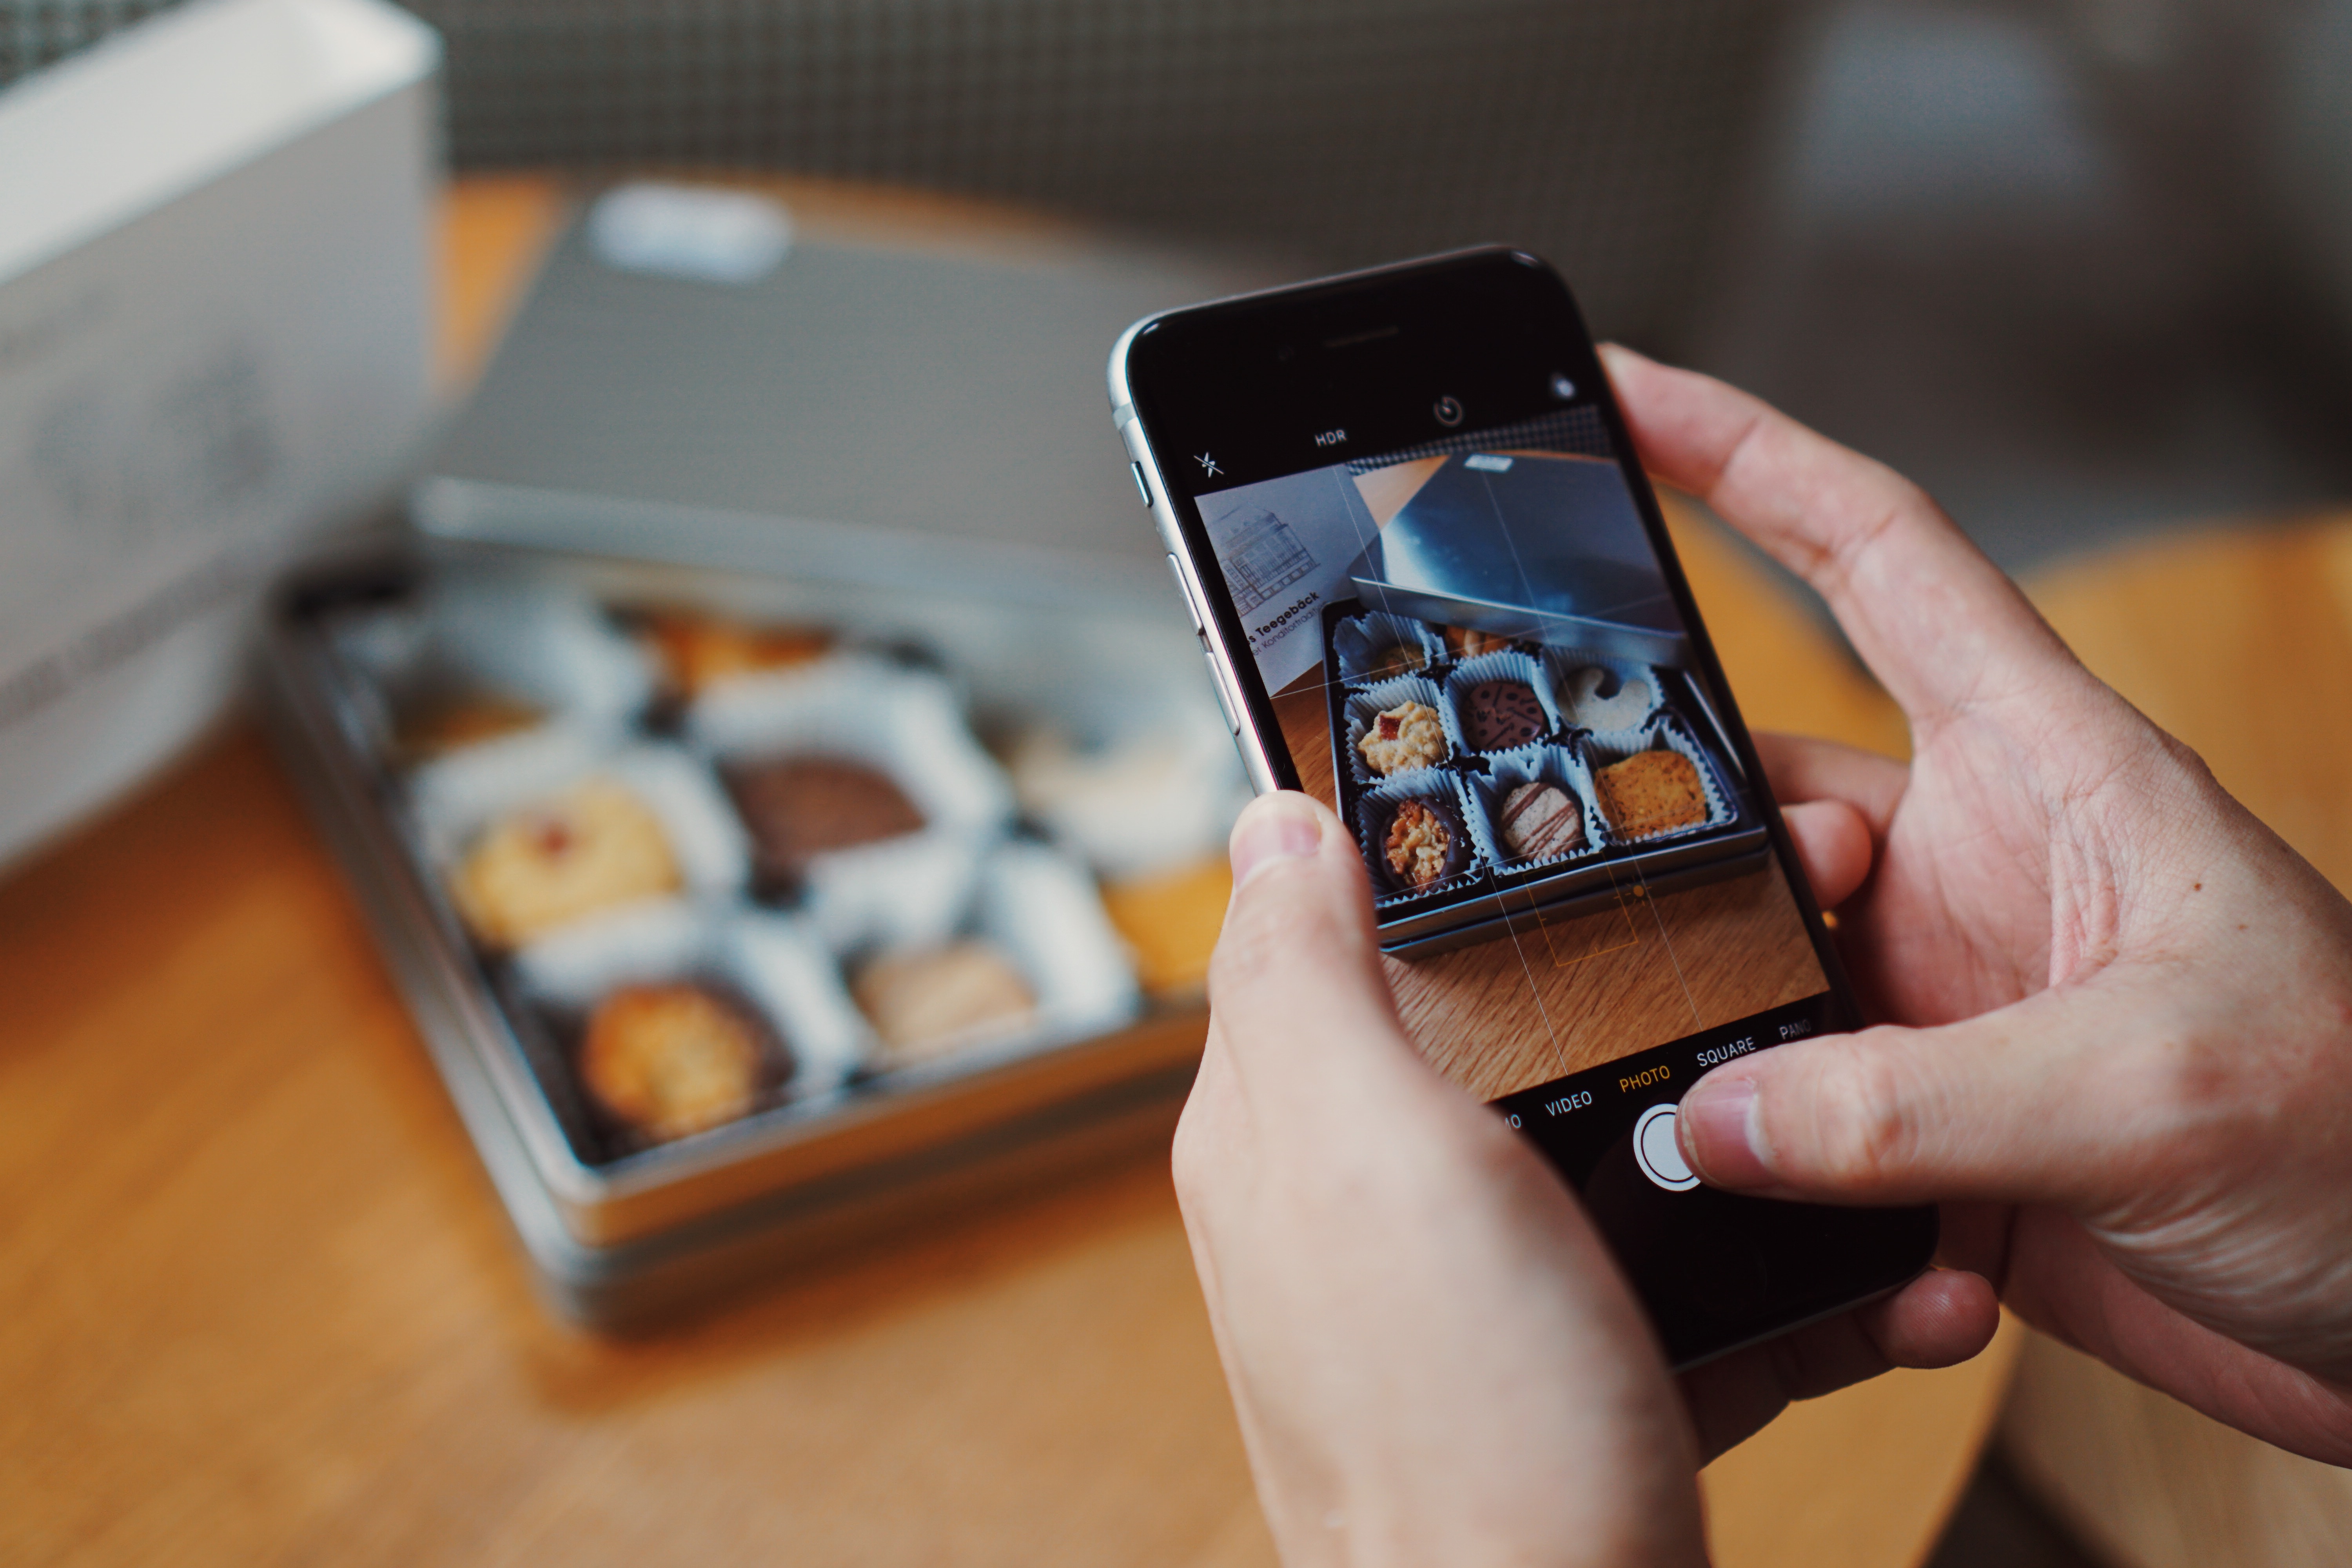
x=625 y=1230
x=1487 y=885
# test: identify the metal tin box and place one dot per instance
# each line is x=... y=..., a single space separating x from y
x=623 y=1232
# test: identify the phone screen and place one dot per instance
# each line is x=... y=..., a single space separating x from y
x=1454 y=617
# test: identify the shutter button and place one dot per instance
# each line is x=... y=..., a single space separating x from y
x=1656 y=1151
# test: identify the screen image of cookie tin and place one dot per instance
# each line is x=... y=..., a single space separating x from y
x=1489 y=777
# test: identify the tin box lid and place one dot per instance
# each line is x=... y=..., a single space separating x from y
x=856 y=412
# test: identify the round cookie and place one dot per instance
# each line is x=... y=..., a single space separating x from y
x=1540 y=820
x=436 y=729
x=1497 y=715
x=925 y=1004
x=671 y=1060
x=1423 y=845
x=592 y=848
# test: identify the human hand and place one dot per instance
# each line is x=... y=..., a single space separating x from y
x=2121 y=1038
x=1433 y=1355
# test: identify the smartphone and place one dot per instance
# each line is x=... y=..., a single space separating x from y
x=1435 y=592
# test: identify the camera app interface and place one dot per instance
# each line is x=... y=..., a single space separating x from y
x=1474 y=660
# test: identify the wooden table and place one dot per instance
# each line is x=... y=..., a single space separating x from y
x=258 y=1303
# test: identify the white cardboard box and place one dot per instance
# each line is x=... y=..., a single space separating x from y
x=213 y=314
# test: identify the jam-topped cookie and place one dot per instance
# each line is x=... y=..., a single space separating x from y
x=592 y=848
x=1402 y=738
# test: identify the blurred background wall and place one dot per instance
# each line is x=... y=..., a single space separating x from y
x=1326 y=133
x=2084 y=267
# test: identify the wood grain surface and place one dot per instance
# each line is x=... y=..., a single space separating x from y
x=1567 y=995
x=259 y=1304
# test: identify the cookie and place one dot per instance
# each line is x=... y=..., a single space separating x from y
x=1499 y=714
x=696 y=652
x=1423 y=844
x=798 y=808
x=1397 y=660
x=1651 y=792
x=670 y=1060
x=1540 y=820
x=1404 y=737
x=592 y=848
x=436 y=729
x=1468 y=642
x=923 y=1005
x=1628 y=707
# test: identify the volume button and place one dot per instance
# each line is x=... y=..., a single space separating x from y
x=1185 y=593
x=1224 y=697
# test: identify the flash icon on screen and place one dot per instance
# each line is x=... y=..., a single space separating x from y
x=1209 y=468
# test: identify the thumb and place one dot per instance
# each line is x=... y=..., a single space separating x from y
x=1295 y=982
x=1967 y=1111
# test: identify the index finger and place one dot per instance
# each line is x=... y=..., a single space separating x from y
x=1936 y=621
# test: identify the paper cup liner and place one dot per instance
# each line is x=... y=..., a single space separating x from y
x=1561 y=766
x=713 y=853
x=1161 y=793
x=1439 y=790
x=762 y=965
x=911 y=891
x=1357 y=642
x=452 y=797
x=1362 y=707
x=1562 y=666
x=906 y=726
x=1037 y=909
x=1664 y=731
x=1472 y=673
x=904 y=723
x=500 y=635
x=458 y=798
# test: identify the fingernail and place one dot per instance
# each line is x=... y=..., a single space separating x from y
x=1717 y=1125
x=1276 y=827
